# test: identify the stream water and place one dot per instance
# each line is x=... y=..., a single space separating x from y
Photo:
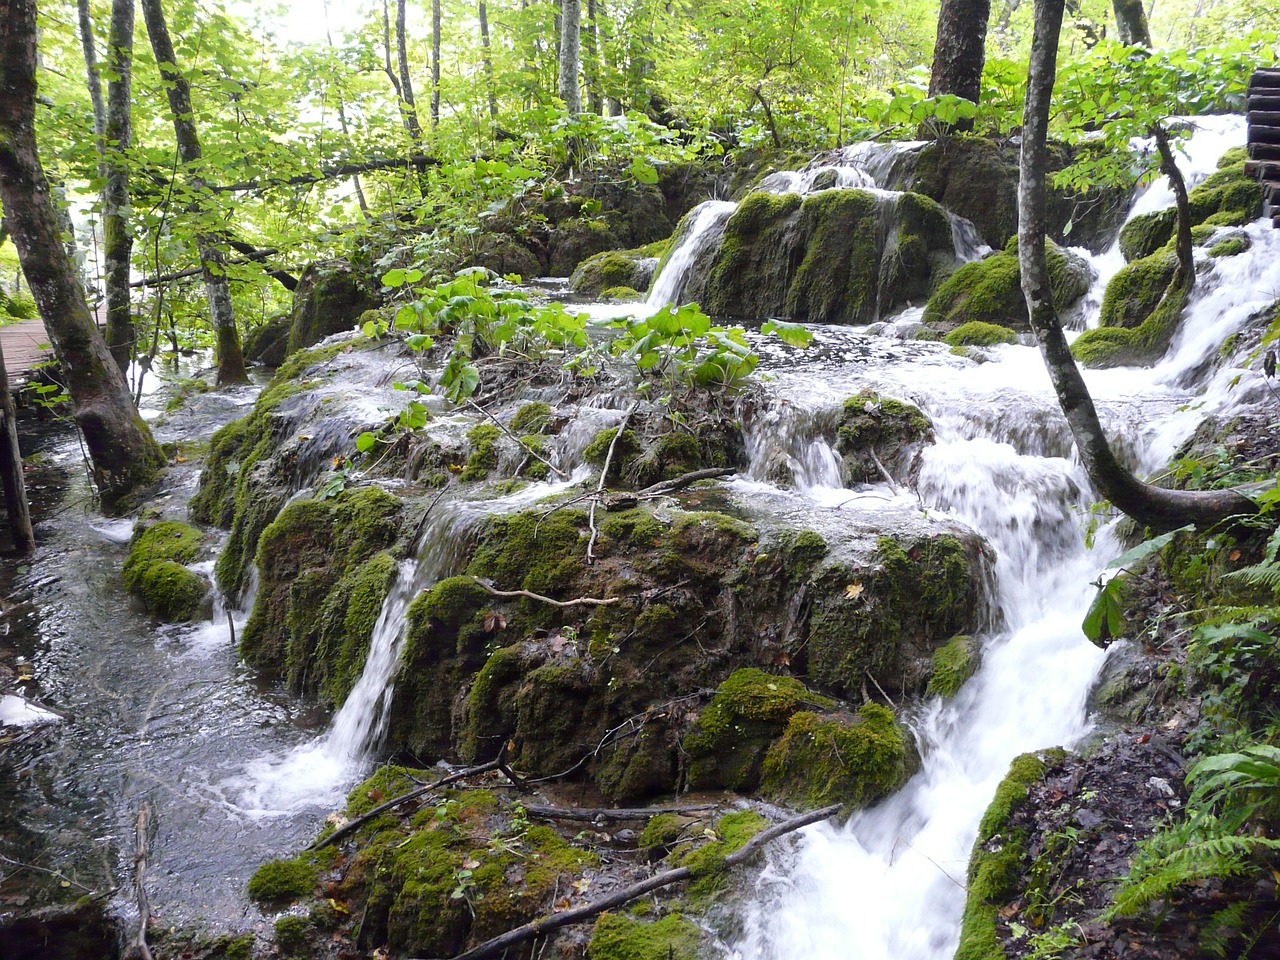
x=238 y=774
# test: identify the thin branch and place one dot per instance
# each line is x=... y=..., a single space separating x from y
x=590 y=815
x=524 y=446
x=417 y=161
x=604 y=473
x=138 y=949
x=666 y=878
x=684 y=480
x=579 y=602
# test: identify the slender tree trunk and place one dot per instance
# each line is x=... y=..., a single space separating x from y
x=408 y=104
x=93 y=81
x=230 y=358
x=486 y=57
x=435 y=63
x=125 y=457
x=570 y=54
x=117 y=237
x=595 y=87
x=1131 y=20
x=15 y=484
x=959 y=52
x=1149 y=505
x=342 y=121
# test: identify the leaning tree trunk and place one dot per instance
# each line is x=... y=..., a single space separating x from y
x=125 y=457
x=15 y=484
x=570 y=54
x=435 y=64
x=230 y=358
x=92 y=80
x=1149 y=505
x=117 y=237
x=959 y=54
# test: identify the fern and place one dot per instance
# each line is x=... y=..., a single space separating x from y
x=1223 y=928
x=1265 y=574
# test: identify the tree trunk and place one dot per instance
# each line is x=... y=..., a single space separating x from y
x=487 y=57
x=570 y=55
x=1149 y=505
x=125 y=457
x=1131 y=20
x=1185 y=278
x=342 y=121
x=15 y=484
x=595 y=87
x=435 y=63
x=230 y=358
x=93 y=81
x=959 y=53
x=117 y=238
x=408 y=105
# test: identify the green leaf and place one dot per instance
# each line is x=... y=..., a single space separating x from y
x=366 y=442
x=1104 y=621
x=792 y=334
x=1145 y=549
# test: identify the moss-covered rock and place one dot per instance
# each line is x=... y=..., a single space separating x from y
x=726 y=746
x=277 y=882
x=837 y=256
x=268 y=343
x=975 y=333
x=997 y=859
x=330 y=297
x=632 y=269
x=619 y=937
x=1228 y=198
x=155 y=570
x=1115 y=346
x=953 y=664
x=1136 y=290
x=990 y=291
x=877 y=428
x=732 y=832
x=313 y=593
x=821 y=760
x=625 y=452
x=621 y=294
x=482 y=440
x=1231 y=246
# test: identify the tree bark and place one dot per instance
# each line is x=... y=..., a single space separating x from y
x=1185 y=277
x=570 y=55
x=124 y=455
x=230 y=358
x=435 y=63
x=486 y=57
x=595 y=87
x=1131 y=20
x=408 y=104
x=15 y=484
x=1149 y=505
x=959 y=53
x=92 y=80
x=117 y=237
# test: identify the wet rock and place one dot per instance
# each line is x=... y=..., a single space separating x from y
x=268 y=344
x=79 y=931
x=329 y=299
x=155 y=570
x=633 y=269
x=878 y=434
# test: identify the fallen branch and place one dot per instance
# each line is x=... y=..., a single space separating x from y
x=253 y=257
x=579 y=602
x=353 y=825
x=527 y=449
x=625 y=895
x=336 y=172
x=590 y=815
x=893 y=484
x=138 y=949
x=604 y=473
x=684 y=480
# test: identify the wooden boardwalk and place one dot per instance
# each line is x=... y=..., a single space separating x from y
x=25 y=344
x=1264 y=138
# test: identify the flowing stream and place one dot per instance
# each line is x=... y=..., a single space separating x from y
x=239 y=773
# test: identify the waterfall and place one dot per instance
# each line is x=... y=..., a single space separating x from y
x=706 y=221
x=889 y=884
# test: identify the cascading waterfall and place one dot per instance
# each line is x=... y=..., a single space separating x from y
x=705 y=222
x=888 y=885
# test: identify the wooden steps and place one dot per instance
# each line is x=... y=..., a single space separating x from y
x=1263 y=106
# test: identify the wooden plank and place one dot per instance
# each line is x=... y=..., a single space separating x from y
x=1264 y=101
x=1262 y=169
x=1264 y=80
x=1264 y=151
x=22 y=348
x=1264 y=118
x=1264 y=134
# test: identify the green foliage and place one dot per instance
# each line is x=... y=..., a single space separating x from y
x=975 y=333
x=283 y=881
x=1104 y=620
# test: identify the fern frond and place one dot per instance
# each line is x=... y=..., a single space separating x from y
x=1257 y=575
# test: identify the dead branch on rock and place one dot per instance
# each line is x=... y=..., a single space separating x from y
x=625 y=895
x=578 y=602
x=355 y=824
x=685 y=479
x=607 y=814
x=138 y=949
x=604 y=473
x=524 y=446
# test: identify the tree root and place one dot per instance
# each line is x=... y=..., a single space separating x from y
x=578 y=602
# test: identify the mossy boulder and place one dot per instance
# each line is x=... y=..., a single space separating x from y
x=837 y=256
x=318 y=590
x=482 y=441
x=820 y=760
x=998 y=858
x=990 y=291
x=1228 y=198
x=1137 y=289
x=726 y=746
x=975 y=333
x=953 y=664
x=155 y=570
x=268 y=344
x=616 y=269
x=330 y=297
x=876 y=431
x=504 y=254
x=1131 y=295
x=619 y=937
x=1231 y=245
x=279 y=882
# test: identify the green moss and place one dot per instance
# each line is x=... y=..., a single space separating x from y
x=531 y=552
x=733 y=831
x=293 y=933
x=874 y=427
x=1136 y=290
x=532 y=417
x=625 y=452
x=726 y=745
x=953 y=664
x=282 y=881
x=1229 y=197
x=235 y=948
x=154 y=571
x=806 y=547
x=662 y=830
x=636 y=527
x=168 y=540
x=822 y=760
x=990 y=290
x=621 y=293
x=1230 y=247
x=1123 y=346
x=483 y=440
x=978 y=334
x=618 y=937
x=673 y=454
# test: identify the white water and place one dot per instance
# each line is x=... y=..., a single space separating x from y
x=889 y=884
x=707 y=218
